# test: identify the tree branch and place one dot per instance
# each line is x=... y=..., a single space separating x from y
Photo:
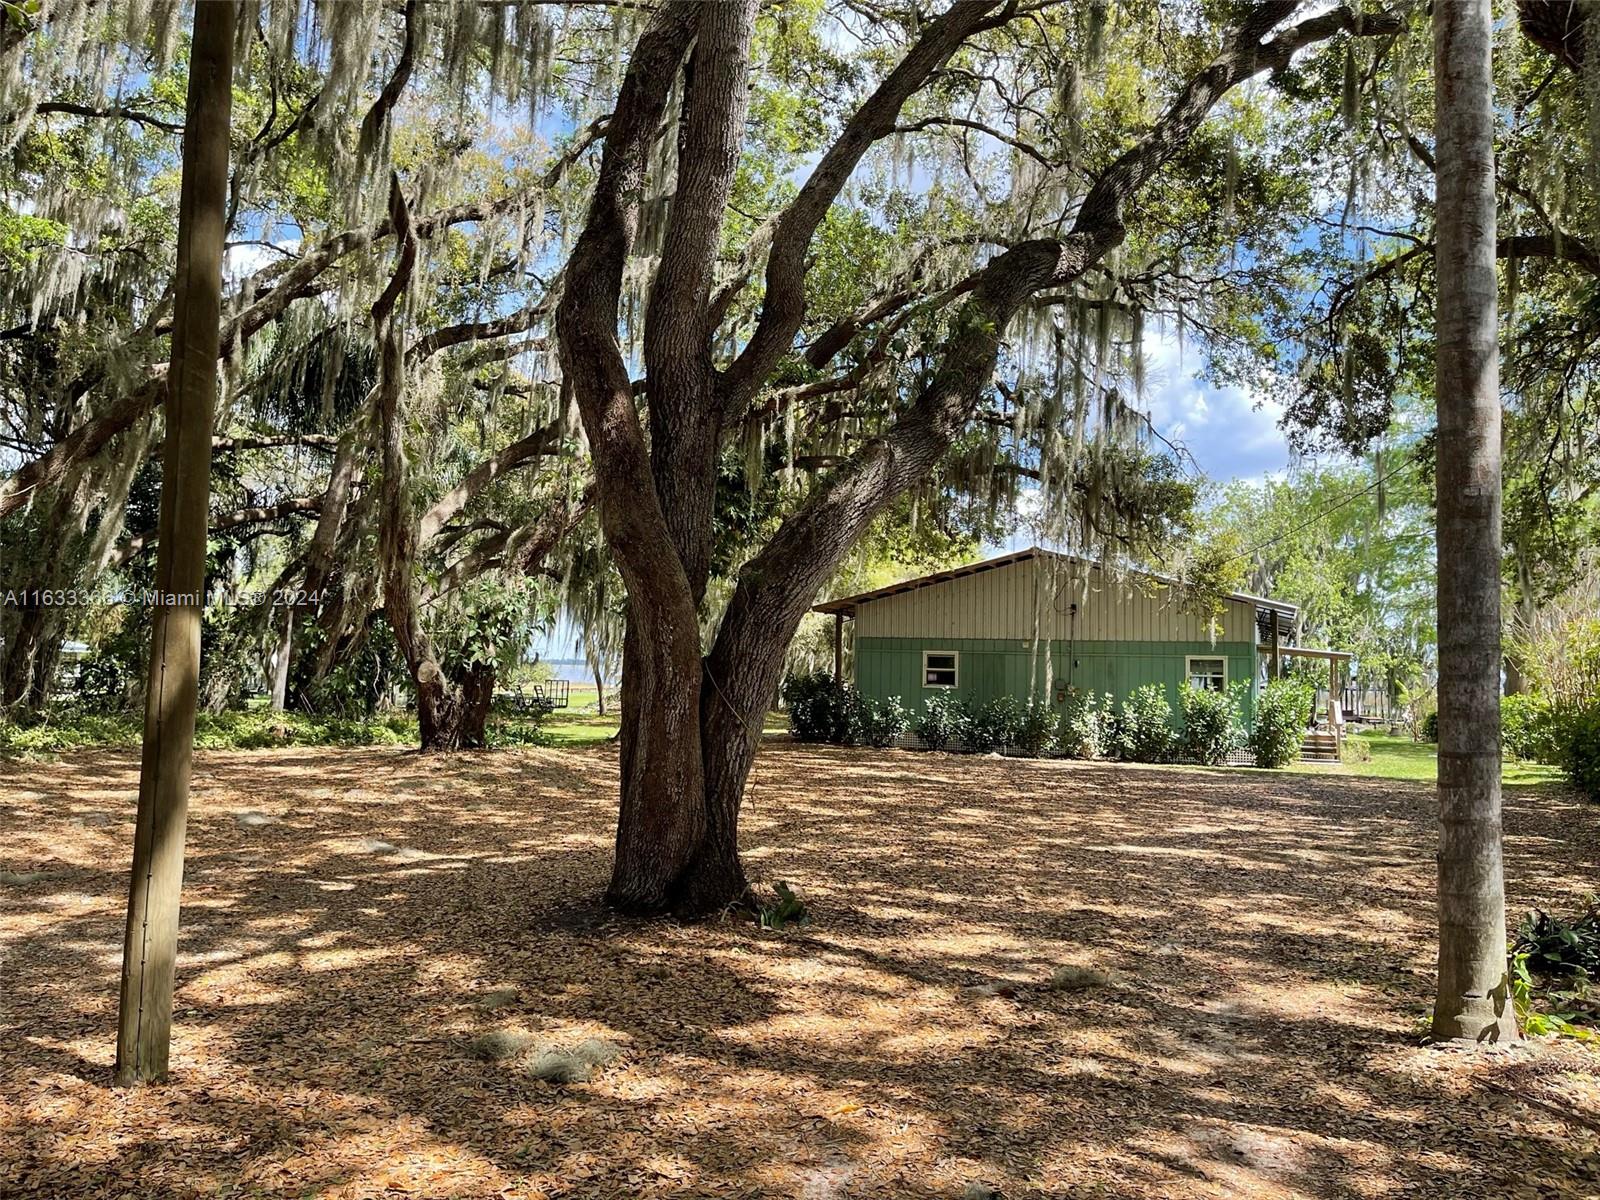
x=783 y=309
x=130 y=548
x=540 y=442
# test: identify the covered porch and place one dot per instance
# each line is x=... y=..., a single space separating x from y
x=1325 y=740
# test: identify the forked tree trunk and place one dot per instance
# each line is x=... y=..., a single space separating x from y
x=690 y=727
x=1474 y=1001
x=150 y=950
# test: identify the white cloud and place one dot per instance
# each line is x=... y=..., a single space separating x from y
x=1232 y=433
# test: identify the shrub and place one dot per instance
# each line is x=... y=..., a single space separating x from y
x=1577 y=744
x=994 y=726
x=785 y=909
x=879 y=722
x=1553 y=945
x=821 y=709
x=1036 y=730
x=1283 y=710
x=1142 y=731
x=1084 y=725
x=943 y=719
x=1211 y=728
x=1354 y=750
x=1430 y=727
x=1553 y=964
x=236 y=729
x=1529 y=728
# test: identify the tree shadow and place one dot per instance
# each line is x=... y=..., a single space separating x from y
x=350 y=916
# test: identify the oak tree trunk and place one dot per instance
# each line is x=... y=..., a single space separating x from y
x=454 y=715
x=150 y=951
x=691 y=725
x=17 y=672
x=1474 y=1000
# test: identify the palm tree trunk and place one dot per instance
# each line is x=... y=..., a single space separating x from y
x=1474 y=1001
x=149 y=955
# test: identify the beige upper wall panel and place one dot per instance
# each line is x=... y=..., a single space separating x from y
x=1037 y=595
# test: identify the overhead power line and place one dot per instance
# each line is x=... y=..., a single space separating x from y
x=1328 y=512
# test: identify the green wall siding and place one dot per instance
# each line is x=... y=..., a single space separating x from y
x=888 y=666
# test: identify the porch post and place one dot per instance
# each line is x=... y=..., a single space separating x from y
x=1277 y=659
x=838 y=647
x=1333 y=698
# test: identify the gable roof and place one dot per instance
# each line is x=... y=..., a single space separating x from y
x=847 y=605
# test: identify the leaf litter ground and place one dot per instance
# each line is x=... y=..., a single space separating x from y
x=1020 y=979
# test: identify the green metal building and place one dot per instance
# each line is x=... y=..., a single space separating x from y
x=1038 y=623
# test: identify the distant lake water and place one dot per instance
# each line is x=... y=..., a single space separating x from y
x=574 y=670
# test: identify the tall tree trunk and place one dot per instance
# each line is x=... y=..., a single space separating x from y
x=599 y=690
x=1474 y=1001
x=280 y=663
x=150 y=951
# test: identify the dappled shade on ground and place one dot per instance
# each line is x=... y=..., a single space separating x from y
x=356 y=921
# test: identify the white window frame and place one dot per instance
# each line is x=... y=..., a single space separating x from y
x=955 y=658
x=1190 y=659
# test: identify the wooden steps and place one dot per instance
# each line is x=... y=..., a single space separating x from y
x=1319 y=746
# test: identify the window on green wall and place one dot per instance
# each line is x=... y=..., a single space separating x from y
x=940 y=668
x=1208 y=673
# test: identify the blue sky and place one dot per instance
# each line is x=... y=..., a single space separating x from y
x=1231 y=433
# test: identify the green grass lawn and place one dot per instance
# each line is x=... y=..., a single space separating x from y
x=1402 y=758
x=570 y=727
x=578 y=725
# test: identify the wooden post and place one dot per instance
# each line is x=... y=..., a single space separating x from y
x=144 y=1024
x=838 y=647
x=1333 y=701
x=1277 y=658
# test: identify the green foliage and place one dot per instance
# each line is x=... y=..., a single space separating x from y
x=1355 y=750
x=1282 y=712
x=249 y=729
x=821 y=709
x=995 y=725
x=1142 y=729
x=22 y=237
x=879 y=723
x=1528 y=728
x=1036 y=730
x=1352 y=546
x=1577 y=736
x=785 y=909
x=1085 y=723
x=1209 y=572
x=490 y=623
x=1212 y=729
x=1553 y=963
x=1532 y=1003
x=359 y=681
x=1430 y=727
x=943 y=720
x=1552 y=945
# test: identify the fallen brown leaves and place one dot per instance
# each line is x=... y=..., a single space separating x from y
x=1238 y=964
